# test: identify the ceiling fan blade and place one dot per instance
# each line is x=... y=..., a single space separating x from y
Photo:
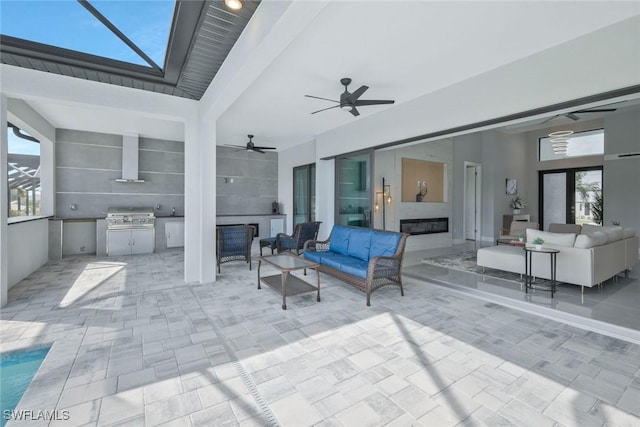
x=354 y=111
x=317 y=97
x=547 y=120
x=596 y=110
x=237 y=146
x=572 y=116
x=373 y=102
x=357 y=94
x=265 y=148
x=335 y=106
x=257 y=150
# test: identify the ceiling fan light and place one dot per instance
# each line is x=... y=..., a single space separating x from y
x=346 y=107
x=561 y=134
x=233 y=4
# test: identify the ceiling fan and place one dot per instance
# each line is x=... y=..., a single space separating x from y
x=573 y=115
x=251 y=147
x=349 y=101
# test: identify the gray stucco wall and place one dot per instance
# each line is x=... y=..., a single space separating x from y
x=621 y=189
x=88 y=163
x=255 y=181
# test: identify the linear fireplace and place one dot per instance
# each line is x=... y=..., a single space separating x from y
x=424 y=225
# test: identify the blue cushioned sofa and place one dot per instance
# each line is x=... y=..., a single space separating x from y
x=364 y=258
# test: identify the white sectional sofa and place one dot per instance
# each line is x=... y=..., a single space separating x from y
x=585 y=259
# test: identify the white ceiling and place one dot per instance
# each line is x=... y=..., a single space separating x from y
x=93 y=118
x=401 y=50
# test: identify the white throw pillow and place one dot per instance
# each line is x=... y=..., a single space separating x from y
x=586 y=241
x=560 y=239
x=628 y=232
x=613 y=232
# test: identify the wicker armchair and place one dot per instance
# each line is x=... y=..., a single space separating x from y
x=234 y=243
x=295 y=242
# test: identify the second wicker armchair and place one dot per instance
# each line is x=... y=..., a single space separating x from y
x=301 y=233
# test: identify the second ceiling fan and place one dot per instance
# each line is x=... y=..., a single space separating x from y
x=251 y=146
x=349 y=101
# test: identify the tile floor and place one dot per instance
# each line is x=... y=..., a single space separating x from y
x=133 y=345
x=613 y=309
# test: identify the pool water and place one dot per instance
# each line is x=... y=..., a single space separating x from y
x=16 y=372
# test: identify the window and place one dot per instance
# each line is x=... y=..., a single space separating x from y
x=23 y=172
x=589 y=143
x=571 y=196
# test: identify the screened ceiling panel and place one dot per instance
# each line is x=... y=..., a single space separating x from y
x=68 y=25
x=185 y=41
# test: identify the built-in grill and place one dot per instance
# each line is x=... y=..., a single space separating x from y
x=130 y=218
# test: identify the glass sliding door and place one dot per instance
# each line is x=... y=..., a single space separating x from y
x=571 y=196
x=304 y=193
x=554 y=199
x=353 y=189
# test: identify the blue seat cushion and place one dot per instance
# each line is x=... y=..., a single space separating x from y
x=355 y=267
x=383 y=243
x=268 y=241
x=339 y=240
x=359 y=243
x=344 y=263
x=313 y=256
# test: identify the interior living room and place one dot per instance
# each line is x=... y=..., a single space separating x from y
x=486 y=150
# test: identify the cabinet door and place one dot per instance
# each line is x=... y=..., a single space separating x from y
x=277 y=226
x=175 y=234
x=142 y=241
x=118 y=242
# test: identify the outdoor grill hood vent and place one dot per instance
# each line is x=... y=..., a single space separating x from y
x=130 y=159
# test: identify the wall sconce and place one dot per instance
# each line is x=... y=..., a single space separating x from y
x=386 y=200
x=422 y=190
x=73 y=206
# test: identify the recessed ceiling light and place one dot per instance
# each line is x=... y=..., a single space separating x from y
x=233 y=4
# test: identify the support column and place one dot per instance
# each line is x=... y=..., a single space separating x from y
x=4 y=203
x=200 y=201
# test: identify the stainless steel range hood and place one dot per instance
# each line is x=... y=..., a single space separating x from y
x=130 y=144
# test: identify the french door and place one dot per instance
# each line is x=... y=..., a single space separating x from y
x=304 y=193
x=570 y=196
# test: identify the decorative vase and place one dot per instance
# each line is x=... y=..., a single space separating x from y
x=418 y=197
x=516 y=211
x=538 y=247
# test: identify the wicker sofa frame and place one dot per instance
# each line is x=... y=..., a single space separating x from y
x=382 y=270
x=233 y=243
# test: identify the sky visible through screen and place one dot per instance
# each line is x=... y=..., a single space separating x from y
x=66 y=24
x=21 y=146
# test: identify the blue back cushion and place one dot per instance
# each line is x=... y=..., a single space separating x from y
x=359 y=243
x=383 y=244
x=339 y=239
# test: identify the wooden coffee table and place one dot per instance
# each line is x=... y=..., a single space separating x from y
x=287 y=284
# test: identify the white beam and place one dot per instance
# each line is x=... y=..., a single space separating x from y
x=4 y=204
x=274 y=25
